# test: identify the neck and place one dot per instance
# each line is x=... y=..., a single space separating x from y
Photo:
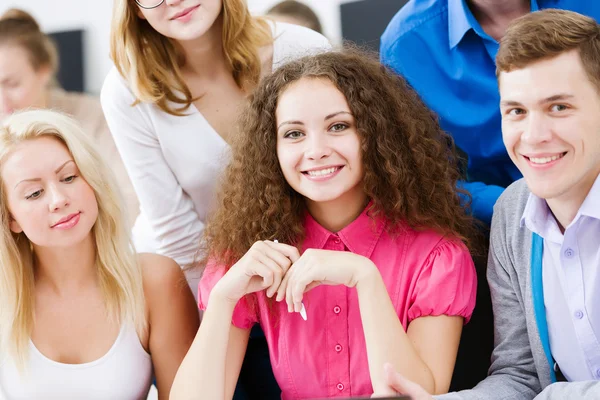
x=494 y=16
x=565 y=207
x=337 y=214
x=44 y=100
x=204 y=56
x=66 y=269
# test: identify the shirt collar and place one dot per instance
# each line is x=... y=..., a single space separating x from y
x=590 y=206
x=360 y=236
x=535 y=213
x=539 y=219
x=461 y=20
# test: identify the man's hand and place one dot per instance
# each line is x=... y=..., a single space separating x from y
x=399 y=384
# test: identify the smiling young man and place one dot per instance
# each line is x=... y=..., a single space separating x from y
x=544 y=262
x=446 y=50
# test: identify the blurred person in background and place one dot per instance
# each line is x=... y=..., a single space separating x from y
x=297 y=13
x=28 y=65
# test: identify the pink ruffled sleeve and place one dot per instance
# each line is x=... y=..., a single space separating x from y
x=447 y=284
x=244 y=316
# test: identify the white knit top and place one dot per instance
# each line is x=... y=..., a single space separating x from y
x=123 y=373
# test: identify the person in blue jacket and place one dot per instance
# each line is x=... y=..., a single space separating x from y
x=446 y=49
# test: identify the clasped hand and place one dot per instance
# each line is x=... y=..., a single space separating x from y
x=279 y=269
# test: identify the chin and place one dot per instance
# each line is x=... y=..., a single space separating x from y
x=321 y=197
x=545 y=190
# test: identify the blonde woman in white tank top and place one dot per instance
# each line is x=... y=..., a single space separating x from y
x=81 y=315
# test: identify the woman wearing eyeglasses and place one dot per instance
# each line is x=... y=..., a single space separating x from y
x=183 y=69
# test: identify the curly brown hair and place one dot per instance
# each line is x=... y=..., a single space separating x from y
x=410 y=163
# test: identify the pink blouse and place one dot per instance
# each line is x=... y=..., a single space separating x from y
x=326 y=356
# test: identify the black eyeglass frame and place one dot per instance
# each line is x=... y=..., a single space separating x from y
x=149 y=8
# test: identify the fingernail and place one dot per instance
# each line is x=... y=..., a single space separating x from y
x=303 y=312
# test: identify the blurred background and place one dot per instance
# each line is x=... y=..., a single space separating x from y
x=81 y=30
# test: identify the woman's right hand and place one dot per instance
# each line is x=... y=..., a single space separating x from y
x=262 y=267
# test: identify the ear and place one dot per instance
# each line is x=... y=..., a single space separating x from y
x=14 y=226
x=45 y=74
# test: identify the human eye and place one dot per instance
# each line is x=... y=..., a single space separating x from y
x=34 y=195
x=559 y=107
x=70 y=178
x=515 y=111
x=11 y=84
x=338 y=127
x=295 y=134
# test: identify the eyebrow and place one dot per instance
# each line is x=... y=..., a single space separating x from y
x=56 y=171
x=328 y=117
x=551 y=99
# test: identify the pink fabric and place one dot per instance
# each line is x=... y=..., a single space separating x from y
x=326 y=356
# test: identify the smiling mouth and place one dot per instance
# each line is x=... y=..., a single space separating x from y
x=67 y=220
x=185 y=12
x=545 y=160
x=322 y=172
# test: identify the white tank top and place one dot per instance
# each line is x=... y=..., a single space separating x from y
x=123 y=373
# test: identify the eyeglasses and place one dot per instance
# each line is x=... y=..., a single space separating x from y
x=149 y=4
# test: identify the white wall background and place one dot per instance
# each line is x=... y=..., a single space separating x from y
x=93 y=16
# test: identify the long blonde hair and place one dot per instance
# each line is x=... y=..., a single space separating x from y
x=118 y=270
x=151 y=63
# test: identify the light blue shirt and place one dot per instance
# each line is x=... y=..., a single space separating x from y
x=571 y=284
x=445 y=55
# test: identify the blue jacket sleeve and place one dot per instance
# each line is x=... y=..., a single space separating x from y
x=483 y=198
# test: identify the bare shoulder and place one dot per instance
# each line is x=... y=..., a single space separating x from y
x=161 y=276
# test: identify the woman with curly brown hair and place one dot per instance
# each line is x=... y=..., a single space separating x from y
x=339 y=204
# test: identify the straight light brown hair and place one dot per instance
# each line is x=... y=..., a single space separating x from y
x=546 y=34
x=19 y=28
x=151 y=63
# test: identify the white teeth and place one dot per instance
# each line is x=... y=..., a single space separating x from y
x=544 y=160
x=322 y=172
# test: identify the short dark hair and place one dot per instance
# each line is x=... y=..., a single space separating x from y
x=549 y=33
x=297 y=10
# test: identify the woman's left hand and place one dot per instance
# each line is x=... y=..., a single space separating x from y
x=322 y=267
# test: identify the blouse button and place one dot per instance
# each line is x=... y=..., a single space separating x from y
x=337 y=240
x=340 y=386
x=578 y=314
x=337 y=309
x=338 y=348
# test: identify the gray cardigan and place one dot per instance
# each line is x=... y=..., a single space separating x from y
x=519 y=368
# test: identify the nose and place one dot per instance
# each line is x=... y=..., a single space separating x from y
x=537 y=130
x=317 y=147
x=58 y=198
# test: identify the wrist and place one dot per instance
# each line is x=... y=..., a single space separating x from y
x=367 y=274
x=219 y=297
